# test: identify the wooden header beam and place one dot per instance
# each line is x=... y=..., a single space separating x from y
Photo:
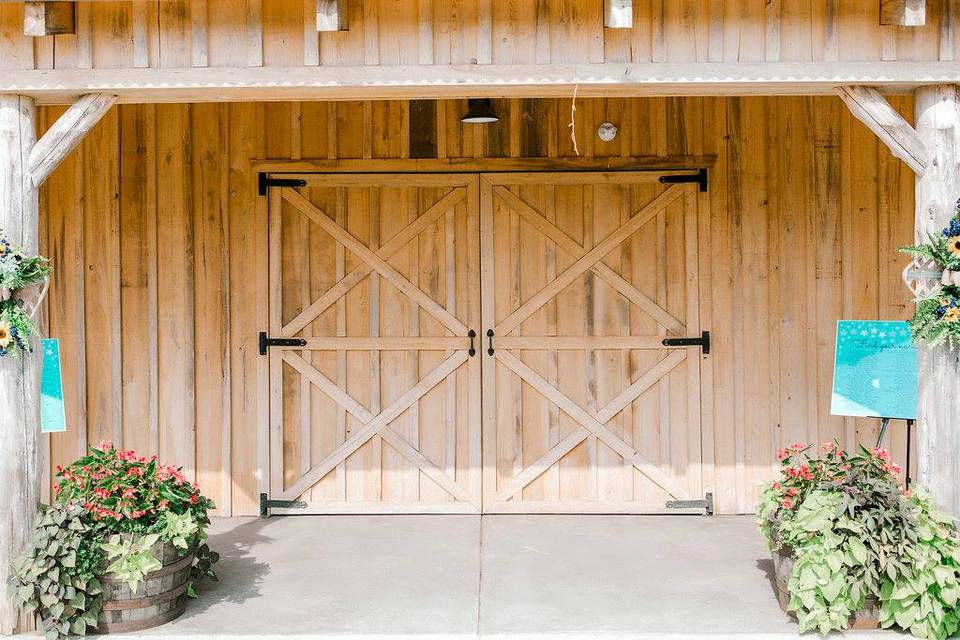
x=49 y=18
x=220 y=84
x=332 y=15
x=903 y=13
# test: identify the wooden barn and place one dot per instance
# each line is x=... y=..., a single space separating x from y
x=469 y=256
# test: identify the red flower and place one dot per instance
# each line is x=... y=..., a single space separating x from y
x=193 y=498
x=786 y=503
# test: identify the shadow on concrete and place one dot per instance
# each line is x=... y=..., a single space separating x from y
x=766 y=566
x=239 y=573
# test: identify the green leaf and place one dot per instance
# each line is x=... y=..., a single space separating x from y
x=858 y=549
x=905 y=617
x=943 y=574
x=832 y=589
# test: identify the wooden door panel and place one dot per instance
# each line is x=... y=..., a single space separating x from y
x=584 y=409
x=378 y=410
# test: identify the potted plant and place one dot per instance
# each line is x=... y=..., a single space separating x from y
x=852 y=548
x=120 y=549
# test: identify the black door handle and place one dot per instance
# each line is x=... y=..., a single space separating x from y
x=473 y=334
x=490 y=342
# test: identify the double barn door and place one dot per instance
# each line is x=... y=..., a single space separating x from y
x=461 y=343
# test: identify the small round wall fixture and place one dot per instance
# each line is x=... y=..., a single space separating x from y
x=607 y=131
x=479 y=111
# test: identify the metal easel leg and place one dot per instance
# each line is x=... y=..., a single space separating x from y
x=884 y=423
x=907 y=478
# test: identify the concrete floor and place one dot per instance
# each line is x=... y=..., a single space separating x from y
x=496 y=576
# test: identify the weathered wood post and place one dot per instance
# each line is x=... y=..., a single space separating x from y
x=937 y=117
x=19 y=381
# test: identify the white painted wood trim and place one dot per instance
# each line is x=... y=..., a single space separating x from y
x=217 y=84
x=872 y=109
x=66 y=133
x=618 y=14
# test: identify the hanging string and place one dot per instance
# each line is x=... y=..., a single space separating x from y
x=573 y=119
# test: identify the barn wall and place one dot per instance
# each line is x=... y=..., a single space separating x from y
x=157 y=238
x=240 y=33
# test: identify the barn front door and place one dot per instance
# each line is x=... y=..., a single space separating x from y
x=463 y=343
x=585 y=409
x=374 y=396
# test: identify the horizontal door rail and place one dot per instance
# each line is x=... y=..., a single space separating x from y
x=379 y=343
x=571 y=343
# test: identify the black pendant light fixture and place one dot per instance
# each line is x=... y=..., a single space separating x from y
x=479 y=111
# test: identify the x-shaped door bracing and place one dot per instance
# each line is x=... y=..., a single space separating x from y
x=374 y=425
x=587 y=260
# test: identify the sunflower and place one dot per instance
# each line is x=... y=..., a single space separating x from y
x=6 y=336
x=952 y=314
x=953 y=244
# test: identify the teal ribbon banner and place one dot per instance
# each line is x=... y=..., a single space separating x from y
x=875 y=370
x=53 y=417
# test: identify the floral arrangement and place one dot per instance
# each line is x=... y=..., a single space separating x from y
x=17 y=271
x=111 y=506
x=855 y=533
x=937 y=318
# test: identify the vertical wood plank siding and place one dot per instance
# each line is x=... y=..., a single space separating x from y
x=216 y=33
x=158 y=241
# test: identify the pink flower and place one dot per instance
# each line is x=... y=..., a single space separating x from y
x=105 y=446
x=129 y=492
x=782 y=454
x=786 y=503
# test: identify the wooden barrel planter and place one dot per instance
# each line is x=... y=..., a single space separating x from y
x=864 y=619
x=160 y=598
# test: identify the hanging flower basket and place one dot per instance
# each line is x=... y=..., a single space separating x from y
x=23 y=284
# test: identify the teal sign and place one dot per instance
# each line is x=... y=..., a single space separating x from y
x=875 y=370
x=52 y=415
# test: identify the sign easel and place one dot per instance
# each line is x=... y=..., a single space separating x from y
x=875 y=375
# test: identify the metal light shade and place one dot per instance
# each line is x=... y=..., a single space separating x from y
x=479 y=111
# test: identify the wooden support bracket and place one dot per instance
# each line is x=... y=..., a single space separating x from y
x=618 y=14
x=49 y=18
x=903 y=13
x=66 y=133
x=871 y=108
x=332 y=15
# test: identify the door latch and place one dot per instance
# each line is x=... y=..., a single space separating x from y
x=703 y=342
x=266 y=342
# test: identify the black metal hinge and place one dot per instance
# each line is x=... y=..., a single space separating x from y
x=703 y=342
x=706 y=504
x=700 y=178
x=266 y=504
x=264 y=182
x=267 y=342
